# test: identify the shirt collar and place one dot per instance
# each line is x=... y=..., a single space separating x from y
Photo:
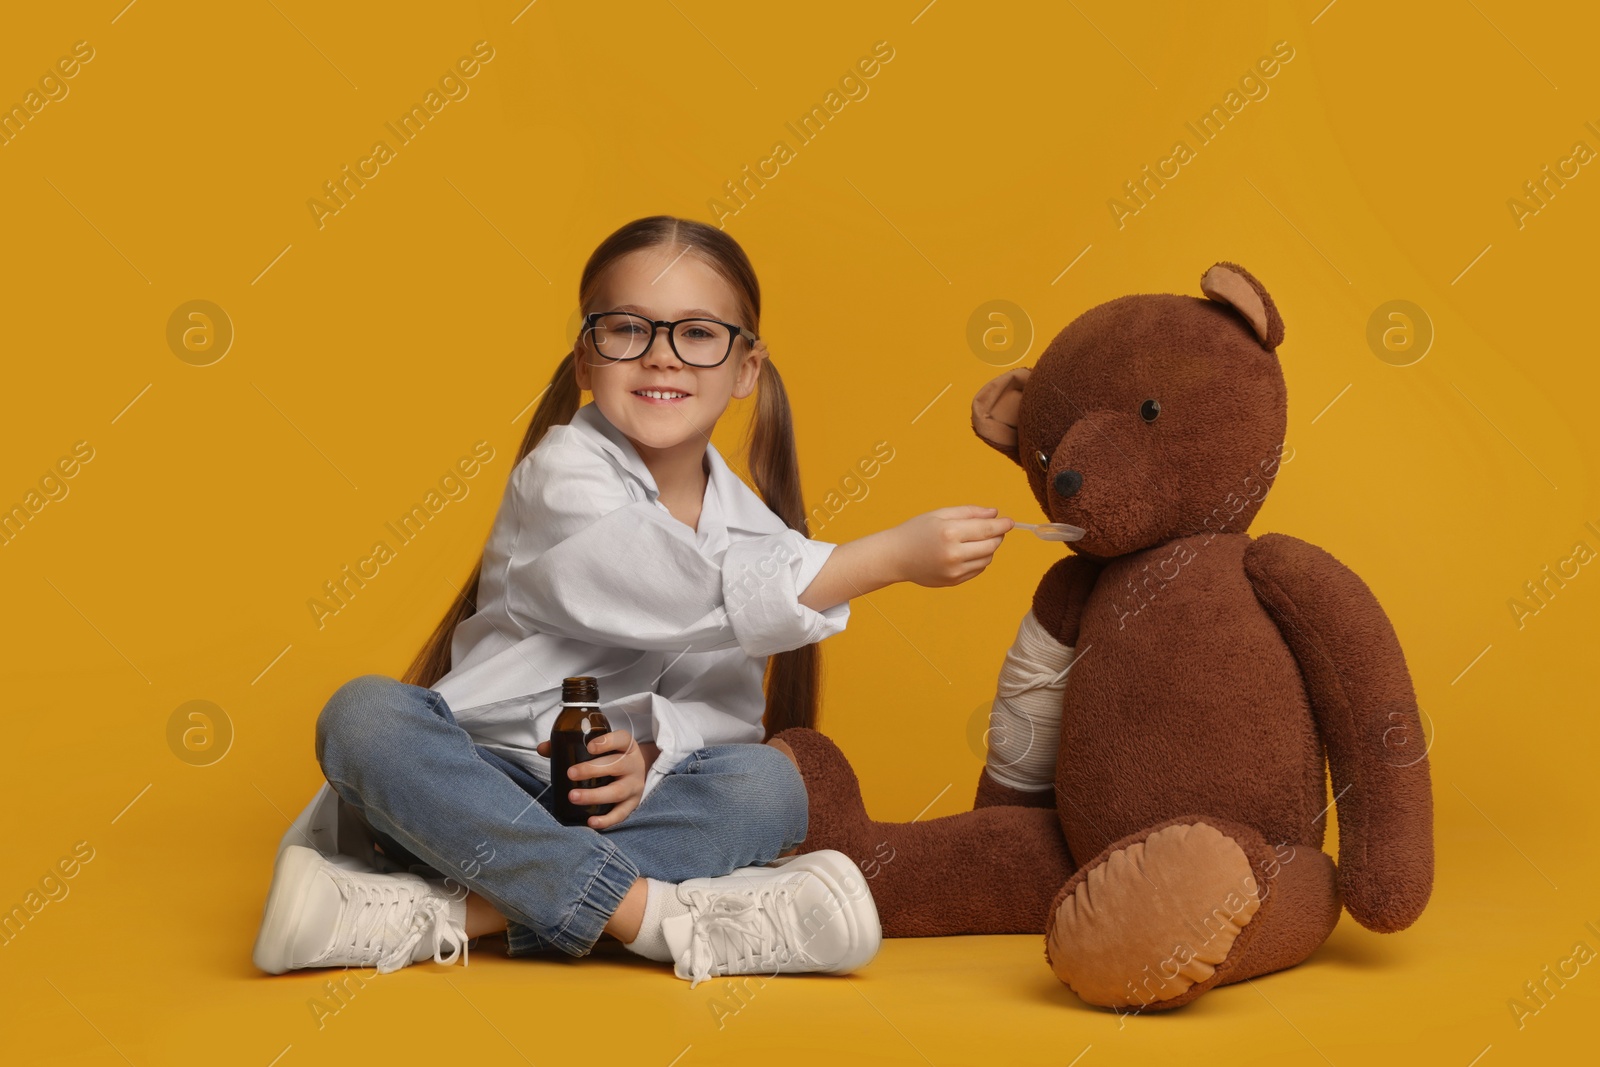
x=615 y=443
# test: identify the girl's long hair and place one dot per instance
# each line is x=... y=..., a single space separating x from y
x=793 y=677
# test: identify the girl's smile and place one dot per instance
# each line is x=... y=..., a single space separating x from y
x=663 y=397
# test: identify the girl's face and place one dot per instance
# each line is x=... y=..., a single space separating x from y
x=659 y=283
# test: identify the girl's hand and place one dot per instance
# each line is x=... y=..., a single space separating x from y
x=948 y=546
x=615 y=755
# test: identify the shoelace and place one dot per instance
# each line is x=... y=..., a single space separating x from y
x=381 y=907
x=747 y=926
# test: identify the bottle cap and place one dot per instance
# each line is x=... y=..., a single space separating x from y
x=582 y=690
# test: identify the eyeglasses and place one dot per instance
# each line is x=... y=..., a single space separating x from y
x=619 y=336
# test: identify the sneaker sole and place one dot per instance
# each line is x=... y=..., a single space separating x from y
x=835 y=869
x=285 y=901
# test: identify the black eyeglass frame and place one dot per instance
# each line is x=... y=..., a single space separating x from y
x=735 y=331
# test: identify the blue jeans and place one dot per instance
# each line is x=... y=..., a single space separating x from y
x=433 y=796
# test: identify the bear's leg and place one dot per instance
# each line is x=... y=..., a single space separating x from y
x=990 y=871
x=1165 y=914
x=1302 y=888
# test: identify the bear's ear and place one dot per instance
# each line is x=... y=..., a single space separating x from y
x=996 y=408
x=1231 y=284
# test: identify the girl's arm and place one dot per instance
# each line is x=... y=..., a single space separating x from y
x=578 y=557
x=943 y=547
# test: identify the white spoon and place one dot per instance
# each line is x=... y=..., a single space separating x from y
x=1052 y=531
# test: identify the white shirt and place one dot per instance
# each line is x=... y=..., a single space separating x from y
x=586 y=572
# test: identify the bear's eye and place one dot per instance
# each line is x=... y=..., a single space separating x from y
x=1149 y=410
x=1043 y=460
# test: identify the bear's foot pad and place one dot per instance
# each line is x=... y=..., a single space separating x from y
x=1154 y=919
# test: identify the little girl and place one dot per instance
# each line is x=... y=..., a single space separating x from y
x=625 y=549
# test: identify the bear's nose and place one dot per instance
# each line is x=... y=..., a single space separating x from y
x=1068 y=482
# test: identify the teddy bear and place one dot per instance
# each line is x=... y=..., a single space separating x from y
x=1214 y=682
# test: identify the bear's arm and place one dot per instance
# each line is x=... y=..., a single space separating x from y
x=1058 y=602
x=1366 y=711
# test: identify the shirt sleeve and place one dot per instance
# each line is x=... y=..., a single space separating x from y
x=588 y=562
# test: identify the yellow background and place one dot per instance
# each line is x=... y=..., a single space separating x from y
x=370 y=353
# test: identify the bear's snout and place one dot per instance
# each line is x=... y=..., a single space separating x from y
x=1103 y=474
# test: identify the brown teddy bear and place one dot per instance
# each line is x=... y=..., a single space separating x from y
x=1215 y=679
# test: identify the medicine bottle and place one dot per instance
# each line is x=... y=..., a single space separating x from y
x=580 y=722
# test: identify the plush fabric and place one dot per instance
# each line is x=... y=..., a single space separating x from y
x=958 y=874
x=1219 y=678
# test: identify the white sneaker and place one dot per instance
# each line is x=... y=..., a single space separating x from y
x=321 y=913
x=807 y=913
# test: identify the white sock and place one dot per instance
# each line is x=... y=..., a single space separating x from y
x=660 y=902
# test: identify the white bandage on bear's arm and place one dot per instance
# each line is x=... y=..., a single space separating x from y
x=1025 y=722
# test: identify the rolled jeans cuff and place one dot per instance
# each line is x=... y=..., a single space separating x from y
x=614 y=874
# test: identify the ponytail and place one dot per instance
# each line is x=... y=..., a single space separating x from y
x=557 y=405
x=793 y=677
